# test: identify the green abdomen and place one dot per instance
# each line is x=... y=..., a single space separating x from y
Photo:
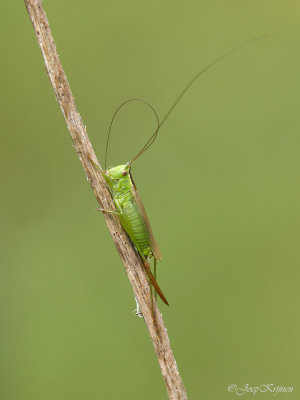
x=134 y=224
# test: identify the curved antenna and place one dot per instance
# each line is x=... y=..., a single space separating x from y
x=116 y=112
x=202 y=72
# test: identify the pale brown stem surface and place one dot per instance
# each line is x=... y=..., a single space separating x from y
x=132 y=262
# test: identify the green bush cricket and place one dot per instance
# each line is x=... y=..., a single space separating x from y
x=131 y=211
x=125 y=196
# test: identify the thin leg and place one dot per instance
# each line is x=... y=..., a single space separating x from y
x=154 y=273
x=107 y=211
x=151 y=295
x=138 y=311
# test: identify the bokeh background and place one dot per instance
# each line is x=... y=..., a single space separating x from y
x=221 y=187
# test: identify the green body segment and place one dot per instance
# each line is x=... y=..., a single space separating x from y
x=134 y=219
x=122 y=189
x=133 y=223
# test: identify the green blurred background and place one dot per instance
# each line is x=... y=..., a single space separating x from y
x=221 y=187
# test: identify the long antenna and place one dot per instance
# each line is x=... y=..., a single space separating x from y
x=116 y=112
x=202 y=72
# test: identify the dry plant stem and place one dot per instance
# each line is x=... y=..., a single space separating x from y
x=132 y=262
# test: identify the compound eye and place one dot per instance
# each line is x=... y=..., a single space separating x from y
x=124 y=173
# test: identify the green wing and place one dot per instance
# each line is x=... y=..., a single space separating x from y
x=154 y=246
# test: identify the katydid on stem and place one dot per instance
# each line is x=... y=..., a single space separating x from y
x=125 y=196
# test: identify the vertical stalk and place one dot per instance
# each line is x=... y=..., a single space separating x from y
x=132 y=262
